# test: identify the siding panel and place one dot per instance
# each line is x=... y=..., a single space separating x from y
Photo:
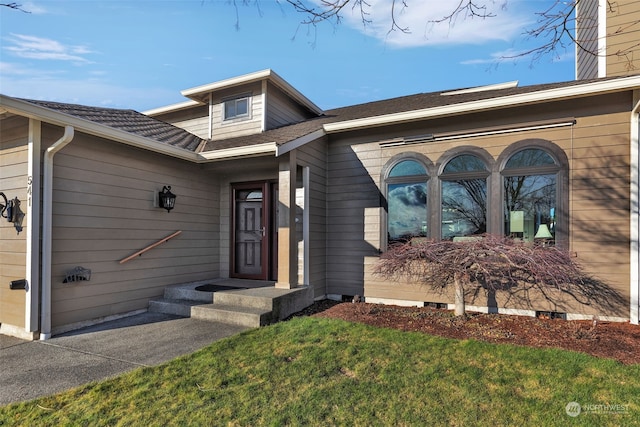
x=598 y=153
x=232 y=128
x=313 y=155
x=103 y=211
x=587 y=37
x=281 y=110
x=623 y=33
x=14 y=159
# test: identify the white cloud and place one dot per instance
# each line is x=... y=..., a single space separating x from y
x=23 y=82
x=515 y=55
x=33 y=8
x=495 y=57
x=32 y=47
x=419 y=16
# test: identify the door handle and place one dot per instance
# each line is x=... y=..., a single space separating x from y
x=261 y=230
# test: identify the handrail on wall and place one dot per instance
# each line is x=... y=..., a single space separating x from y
x=151 y=246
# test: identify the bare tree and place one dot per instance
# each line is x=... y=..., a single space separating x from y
x=16 y=6
x=497 y=264
x=554 y=29
x=331 y=11
x=559 y=27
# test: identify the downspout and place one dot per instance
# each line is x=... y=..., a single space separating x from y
x=634 y=278
x=47 y=230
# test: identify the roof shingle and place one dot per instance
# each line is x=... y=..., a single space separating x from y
x=380 y=108
x=129 y=121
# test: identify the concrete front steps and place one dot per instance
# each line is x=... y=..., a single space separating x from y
x=252 y=307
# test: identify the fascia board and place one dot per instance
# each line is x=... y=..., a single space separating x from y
x=294 y=93
x=576 y=91
x=299 y=142
x=268 y=74
x=497 y=86
x=267 y=148
x=171 y=108
x=26 y=109
x=222 y=84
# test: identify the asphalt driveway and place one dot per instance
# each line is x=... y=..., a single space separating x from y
x=31 y=369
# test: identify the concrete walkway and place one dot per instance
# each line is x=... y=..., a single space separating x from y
x=31 y=369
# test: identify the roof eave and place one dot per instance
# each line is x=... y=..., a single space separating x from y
x=299 y=142
x=171 y=108
x=197 y=93
x=256 y=150
x=574 y=91
x=32 y=111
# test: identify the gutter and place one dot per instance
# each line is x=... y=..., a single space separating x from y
x=634 y=278
x=47 y=230
x=579 y=90
x=240 y=152
x=57 y=118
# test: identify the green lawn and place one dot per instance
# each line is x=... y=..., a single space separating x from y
x=311 y=371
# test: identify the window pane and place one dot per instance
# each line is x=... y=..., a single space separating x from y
x=408 y=168
x=529 y=158
x=464 y=208
x=407 y=211
x=530 y=207
x=464 y=163
x=242 y=107
x=236 y=108
x=229 y=109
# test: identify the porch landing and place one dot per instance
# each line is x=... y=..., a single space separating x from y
x=248 y=303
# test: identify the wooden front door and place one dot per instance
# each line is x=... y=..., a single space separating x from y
x=251 y=235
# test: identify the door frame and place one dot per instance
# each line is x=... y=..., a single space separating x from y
x=268 y=246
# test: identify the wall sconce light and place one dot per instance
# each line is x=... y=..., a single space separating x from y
x=6 y=209
x=167 y=198
x=11 y=211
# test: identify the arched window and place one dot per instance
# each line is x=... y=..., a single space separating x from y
x=406 y=190
x=530 y=179
x=464 y=197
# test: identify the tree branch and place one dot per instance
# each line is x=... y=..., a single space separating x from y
x=15 y=6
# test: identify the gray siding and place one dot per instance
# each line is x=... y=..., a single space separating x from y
x=353 y=206
x=194 y=120
x=246 y=126
x=587 y=37
x=314 y=156
x=282 y=110
x=14 y=160
x=103 y=211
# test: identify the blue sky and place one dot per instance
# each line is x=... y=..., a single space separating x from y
x=140 y=54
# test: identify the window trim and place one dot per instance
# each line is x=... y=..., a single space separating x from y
x=495 y=185
x=489 y=163
x=560 y=169
x=385 y=180
x=237 y=117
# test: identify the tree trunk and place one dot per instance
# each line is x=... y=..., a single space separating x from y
x=459 y=309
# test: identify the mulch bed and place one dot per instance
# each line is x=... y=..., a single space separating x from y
x=615 y=340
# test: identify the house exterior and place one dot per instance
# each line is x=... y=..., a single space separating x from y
x=271 y=187
x=610 y=29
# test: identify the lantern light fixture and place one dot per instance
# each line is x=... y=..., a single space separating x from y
x=167 y=199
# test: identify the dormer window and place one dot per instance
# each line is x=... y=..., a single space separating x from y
x=236 y=108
